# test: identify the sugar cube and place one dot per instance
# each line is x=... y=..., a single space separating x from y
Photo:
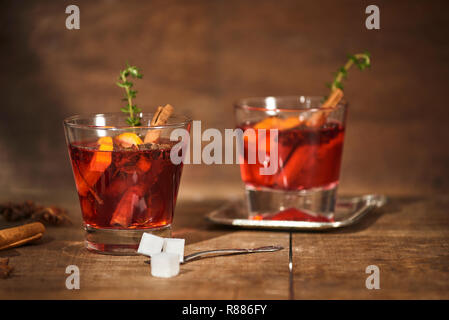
x=150 y=244
x=164 y=265
x=173 y=245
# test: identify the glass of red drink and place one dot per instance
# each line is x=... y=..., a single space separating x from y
x=125 y=186
x=305 y=141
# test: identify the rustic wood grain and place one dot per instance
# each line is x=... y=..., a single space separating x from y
x=408 y=240
x=40 y=269
x=40 y=272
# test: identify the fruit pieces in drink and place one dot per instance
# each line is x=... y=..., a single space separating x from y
x=137 y=190
x=128 y=140
x=131 y=192
x=123 y=213
x=278 y=123
x=315 y=159
x=102 y=160
x=87 y=175
x=308 y=158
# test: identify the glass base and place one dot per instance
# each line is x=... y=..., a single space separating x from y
x=265 y=201
x=119 y=241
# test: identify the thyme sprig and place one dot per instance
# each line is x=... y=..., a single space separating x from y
x=360 y=60
x=131 y=109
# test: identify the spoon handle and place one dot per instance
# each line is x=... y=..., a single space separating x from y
x=230 y=251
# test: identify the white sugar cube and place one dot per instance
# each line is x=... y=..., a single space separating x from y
x=164 y=265
x=173 y=245
x=150 y=244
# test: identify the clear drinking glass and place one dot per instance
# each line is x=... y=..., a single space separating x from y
x=125 y=187
x=309 y=141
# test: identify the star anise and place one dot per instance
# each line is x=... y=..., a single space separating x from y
x=29 y=210
x=5 y=268
x=52 y=215
x=17 y=211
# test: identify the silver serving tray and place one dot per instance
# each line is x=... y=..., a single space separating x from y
x=348 y=211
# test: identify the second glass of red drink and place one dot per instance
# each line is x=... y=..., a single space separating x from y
x=306 y=143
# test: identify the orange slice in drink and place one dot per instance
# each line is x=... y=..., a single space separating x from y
x=103 y=157
x=128 y=139
x=278 y=123
x=268 y=123
x=105 y=141
x=87 y=175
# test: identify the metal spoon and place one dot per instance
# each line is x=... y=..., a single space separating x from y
x=221 y=252
x=230 y=251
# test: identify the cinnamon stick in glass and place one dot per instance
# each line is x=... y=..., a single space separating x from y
x=160 y=118
x=319 y=118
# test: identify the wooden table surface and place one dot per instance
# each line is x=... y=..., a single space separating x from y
x=408 y=240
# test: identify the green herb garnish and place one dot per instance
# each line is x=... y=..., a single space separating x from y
x=131 y=109
x=360 y=60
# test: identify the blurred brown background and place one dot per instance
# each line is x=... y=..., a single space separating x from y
x=201 y=55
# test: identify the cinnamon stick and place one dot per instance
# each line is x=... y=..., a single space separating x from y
x=160 y=118
x=17 y=236
x=319 y=118
x=333 y=99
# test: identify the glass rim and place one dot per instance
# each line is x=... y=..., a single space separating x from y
x=244 y=103
x=69 y=122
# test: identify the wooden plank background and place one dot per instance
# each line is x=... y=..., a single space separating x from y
x=202 y=55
